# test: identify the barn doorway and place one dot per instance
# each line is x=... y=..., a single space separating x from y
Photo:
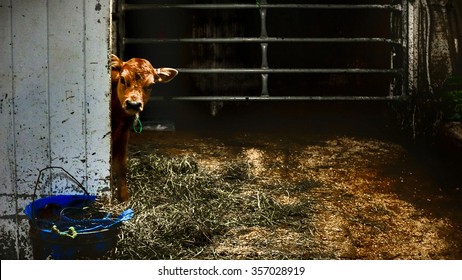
x=285 y=104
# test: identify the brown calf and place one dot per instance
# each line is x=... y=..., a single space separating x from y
x=132 y=83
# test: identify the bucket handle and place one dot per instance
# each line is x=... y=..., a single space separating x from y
x=57 y=167
x=38 y=181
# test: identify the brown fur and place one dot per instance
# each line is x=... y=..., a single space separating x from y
x=132 y=83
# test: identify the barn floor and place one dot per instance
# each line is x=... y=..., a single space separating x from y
x=324 y=189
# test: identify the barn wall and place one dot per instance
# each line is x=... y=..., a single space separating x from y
x=54 y=105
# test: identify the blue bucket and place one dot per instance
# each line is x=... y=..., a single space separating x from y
x=69 y=226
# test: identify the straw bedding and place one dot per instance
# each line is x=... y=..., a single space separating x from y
x=256 y=198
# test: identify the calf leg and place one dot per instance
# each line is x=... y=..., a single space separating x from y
x=119 y=165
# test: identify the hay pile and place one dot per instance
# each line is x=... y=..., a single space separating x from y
x=273 y=198
x=180 y=209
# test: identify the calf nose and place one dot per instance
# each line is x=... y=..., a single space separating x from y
x=133 y=105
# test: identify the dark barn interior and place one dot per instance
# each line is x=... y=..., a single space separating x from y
x=313 y=55
x=324 y=100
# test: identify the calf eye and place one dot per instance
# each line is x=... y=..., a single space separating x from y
x=122 y=81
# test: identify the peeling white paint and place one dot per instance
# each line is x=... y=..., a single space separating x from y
x=54 y=104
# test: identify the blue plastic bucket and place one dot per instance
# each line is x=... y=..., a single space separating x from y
x=62 y=227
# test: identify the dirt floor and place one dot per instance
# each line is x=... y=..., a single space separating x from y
x=334 y=193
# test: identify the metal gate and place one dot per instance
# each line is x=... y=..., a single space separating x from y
x=390 y=46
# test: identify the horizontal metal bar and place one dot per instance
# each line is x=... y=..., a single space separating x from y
x=286 y=71
x=260 y=40
x=132 y=7
x=279 y=98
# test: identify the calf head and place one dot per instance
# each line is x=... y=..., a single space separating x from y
x=134 y=80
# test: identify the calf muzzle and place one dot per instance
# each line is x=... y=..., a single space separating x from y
x=133 y=105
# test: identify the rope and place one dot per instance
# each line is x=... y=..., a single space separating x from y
x=137 y=123
x=427 y=31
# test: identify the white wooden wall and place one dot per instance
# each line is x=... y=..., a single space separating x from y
x=54 y=104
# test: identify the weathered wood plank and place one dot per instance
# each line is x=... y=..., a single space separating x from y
x=97 y=46
x=67 y=91
x=6 y=103
x=30 y=89
x=30 y=122
x=8 y=227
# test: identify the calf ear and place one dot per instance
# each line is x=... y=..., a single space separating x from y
x=165 y=75
x=116 y=63
x=116 y=66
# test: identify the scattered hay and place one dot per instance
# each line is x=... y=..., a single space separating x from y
x=180 y=209
x=338 y=198
x=238 y=171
